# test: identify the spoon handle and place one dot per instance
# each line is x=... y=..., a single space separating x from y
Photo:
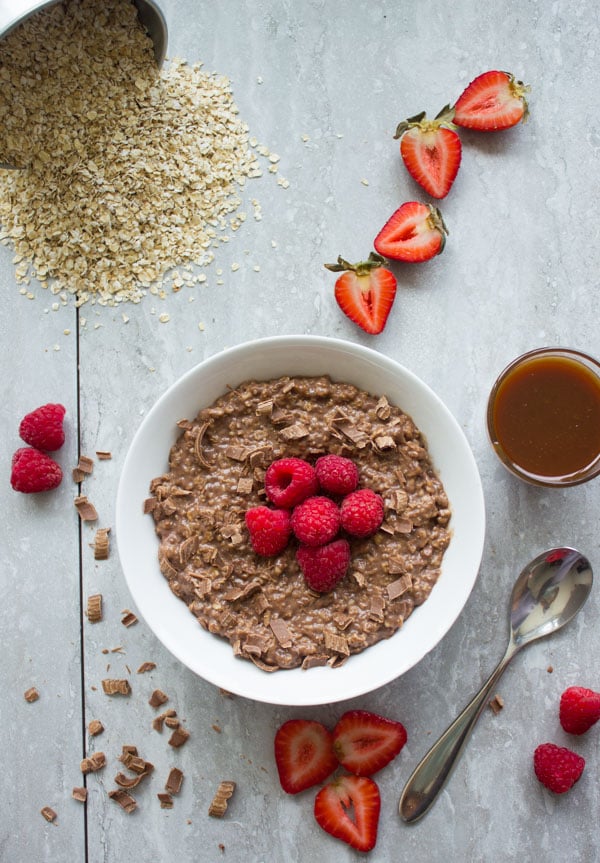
x=431 y=774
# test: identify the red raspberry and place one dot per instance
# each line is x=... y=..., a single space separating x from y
x=34 y=471
x=336 y=474
x=289 y=481
x=556 y=767
x=316 y=521
x=579 y=709
x=325 y=566
x=43 y=428
x=269 y=529
x=362 y=512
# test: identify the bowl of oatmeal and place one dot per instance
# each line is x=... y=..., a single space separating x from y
x=248 y=622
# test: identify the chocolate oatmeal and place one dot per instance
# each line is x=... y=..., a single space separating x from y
x=262 y=604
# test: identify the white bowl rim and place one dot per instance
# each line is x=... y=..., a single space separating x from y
x=211 y=657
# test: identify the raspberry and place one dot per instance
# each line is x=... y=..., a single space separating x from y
x=34 y=471
x=316 y=521
x=269 y=529
x=325 y=566
x=289 y=481
x=362 y=512
x=579 y=709
x=336 y=474
x=556 y=767
x=43 y=428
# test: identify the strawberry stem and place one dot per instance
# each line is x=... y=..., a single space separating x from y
x=420 y=121
x=362 y=268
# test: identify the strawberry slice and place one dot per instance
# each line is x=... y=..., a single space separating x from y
x=491 y=102
x=431 y=151
x=303 y=754
x=414 y=233
x=350 y=793
x=365 y=291
x=365 y=742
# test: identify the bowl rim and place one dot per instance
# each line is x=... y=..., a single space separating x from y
x=366 y=671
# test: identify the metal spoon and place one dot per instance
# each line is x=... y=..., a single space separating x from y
x=547 y=595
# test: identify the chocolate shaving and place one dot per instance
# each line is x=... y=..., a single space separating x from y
x=31 y=694
x=384 y=443
x=174 y=781
x=94 y=608
x=103 y=454
x=281 y=631
x=351 y=432
x=84 y=468
x=150 y=505
x=129 y=618
x=314 y=661
x=172 y=721
x=135 y=763
x=157 y=698
x=102 y=543
x=279 y=416
x=114 y=686
x=336 y=643
x=127 y=751
x=404 y=525
x=146 y=666
x=264 y=666
x=236 y=453
x=242 y=592
x=198 y=445
x=399 y=587
x=79 y=794
x=48 y=813
x=218 y=806
x=86 y=510
x=95 y=727
x=179 y=737
x=158 y=721
x=187 y=549
x=265 y=407
x=125 y=800
x=245 y=485
x=296 y=431
x=496 y=704
x=377 y=607
x=93 y=762
x=382 y=409
x=166 y=801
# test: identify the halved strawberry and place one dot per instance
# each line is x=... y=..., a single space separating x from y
x=431 y=151
x=358 y=795
x=365 y=742
x=492 y=101
x=303 y=754
x=414 y=233
x=365 y=291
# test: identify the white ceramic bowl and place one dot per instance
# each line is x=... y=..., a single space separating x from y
x=212 y=657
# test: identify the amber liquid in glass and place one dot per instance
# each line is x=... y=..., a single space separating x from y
x=546 y=416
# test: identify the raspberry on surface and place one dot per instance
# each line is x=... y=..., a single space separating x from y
x=362 y=512
x=289 y=481
x=579 y=709
x=316 y=521
x=324 y=566
x=269 y=529
x=33 y=471
x=556 y=767
x=43 y=427
x=336 y=475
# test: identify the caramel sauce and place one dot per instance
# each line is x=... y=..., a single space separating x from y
x=546 y=416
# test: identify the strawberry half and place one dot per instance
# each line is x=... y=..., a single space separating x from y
x=365 y=291
x=492 y=101
x=414 y=233
x=365 y=742
x=303 y=754
x=431 y=151
x=350 y=793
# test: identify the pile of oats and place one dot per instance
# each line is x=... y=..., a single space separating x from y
x=128 y=171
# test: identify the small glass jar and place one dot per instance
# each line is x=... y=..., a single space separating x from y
x=543 y=417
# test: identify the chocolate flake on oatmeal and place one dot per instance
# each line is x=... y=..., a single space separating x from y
x=198 y=509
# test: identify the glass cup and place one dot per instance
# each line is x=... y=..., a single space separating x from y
x=543 y=417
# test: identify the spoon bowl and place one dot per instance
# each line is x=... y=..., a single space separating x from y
x=547 y=595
